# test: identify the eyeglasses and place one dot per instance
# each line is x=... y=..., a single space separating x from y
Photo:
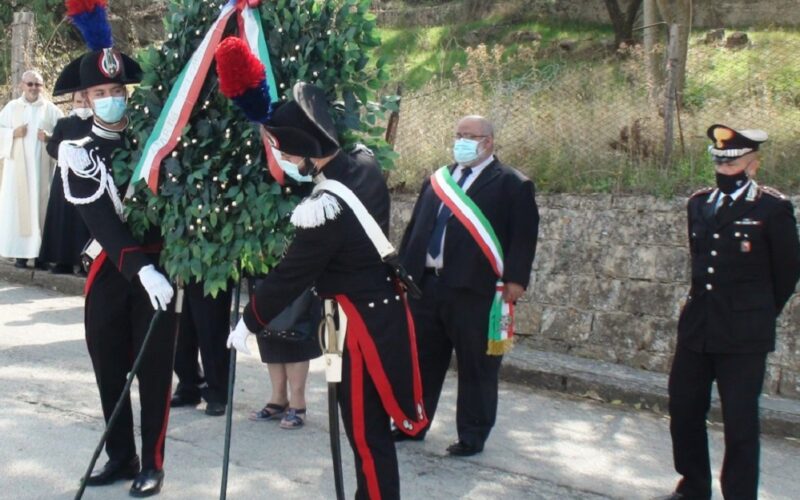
x=33 y=84
x=470 y=136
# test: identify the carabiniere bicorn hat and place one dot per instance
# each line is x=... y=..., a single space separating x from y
x=729 y=144
x=103 y=63
x=303 y=126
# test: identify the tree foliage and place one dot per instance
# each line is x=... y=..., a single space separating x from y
x=46 y=13
x=217 y=205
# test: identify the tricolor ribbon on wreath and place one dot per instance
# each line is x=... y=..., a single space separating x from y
x=501 y=314
x=183 y=96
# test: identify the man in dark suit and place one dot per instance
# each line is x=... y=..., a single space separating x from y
x=204 y=327
x=459 y=282
x=745 y=264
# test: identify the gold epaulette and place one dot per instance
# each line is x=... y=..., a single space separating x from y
x=772 y=191
x=704 y=190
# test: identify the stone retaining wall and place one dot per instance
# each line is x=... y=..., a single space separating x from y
x=608 y=281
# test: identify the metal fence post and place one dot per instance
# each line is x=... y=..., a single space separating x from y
x=669 y=93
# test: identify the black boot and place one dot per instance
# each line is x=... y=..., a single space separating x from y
x=184 y=398
x=21 y=263
x=61 y=269
x=147 y=483
x=215 y=408
x=114 y=470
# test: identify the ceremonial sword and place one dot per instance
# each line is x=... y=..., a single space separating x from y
x=332 y=331
x=223 y=487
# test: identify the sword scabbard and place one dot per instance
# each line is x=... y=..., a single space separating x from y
x=333 y=329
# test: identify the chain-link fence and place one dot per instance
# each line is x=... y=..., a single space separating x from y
x=587 y=122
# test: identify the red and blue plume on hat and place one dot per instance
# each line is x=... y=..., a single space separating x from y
x=91 y=19
x=243 y=79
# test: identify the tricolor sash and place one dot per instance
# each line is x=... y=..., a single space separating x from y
x=501 y=314
x=183 y=95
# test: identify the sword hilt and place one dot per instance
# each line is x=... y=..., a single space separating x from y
x=331 y=340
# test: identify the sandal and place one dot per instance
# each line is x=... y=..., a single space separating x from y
x=293 y=418
x=271 y=411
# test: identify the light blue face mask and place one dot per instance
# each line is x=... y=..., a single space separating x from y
x=290 y=168
x=110 y=109
x=465 y=150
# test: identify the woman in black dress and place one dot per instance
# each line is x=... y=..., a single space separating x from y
x=287 y=363
x=65 y=234
x=287 y=345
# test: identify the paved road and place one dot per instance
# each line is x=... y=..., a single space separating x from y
x=545 y=446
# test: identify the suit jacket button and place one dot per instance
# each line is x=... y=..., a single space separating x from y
x=713 y=253
x=710 y=270
x=716 y=236
x=708 y=286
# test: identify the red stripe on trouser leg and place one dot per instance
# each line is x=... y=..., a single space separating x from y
x=412 y=338
x=358 y=334
x=159 y=448
x=97 y=263
x=357 y=409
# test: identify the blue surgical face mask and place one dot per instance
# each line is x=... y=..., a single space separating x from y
x=110 y=109
x=290 y=168
x=465 y=150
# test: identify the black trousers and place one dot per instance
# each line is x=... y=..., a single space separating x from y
x=368 y=431
x=449 y=319
x=205 y=324
x=739 y=379
x=117 y=317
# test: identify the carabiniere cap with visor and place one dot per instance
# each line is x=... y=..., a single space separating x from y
x=303 y=126
x=729 y=144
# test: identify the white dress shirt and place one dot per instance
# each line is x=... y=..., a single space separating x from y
x=438 y=262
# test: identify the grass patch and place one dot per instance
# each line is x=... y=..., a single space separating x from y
x=422 y=54
x=584 y=122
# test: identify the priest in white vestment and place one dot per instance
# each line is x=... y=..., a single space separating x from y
x=25 y=169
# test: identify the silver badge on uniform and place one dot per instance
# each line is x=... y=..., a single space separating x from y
x=747 y=222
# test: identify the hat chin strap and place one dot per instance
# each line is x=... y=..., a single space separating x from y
x=307 y=167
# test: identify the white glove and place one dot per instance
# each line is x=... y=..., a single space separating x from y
x=156 y=286
x=238 y=337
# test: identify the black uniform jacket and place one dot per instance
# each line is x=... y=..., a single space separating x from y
x=744 y=269
x=126 y=253
x=506 y=198
x=335 y=254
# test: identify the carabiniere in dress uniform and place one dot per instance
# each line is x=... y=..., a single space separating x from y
x=745 y=259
